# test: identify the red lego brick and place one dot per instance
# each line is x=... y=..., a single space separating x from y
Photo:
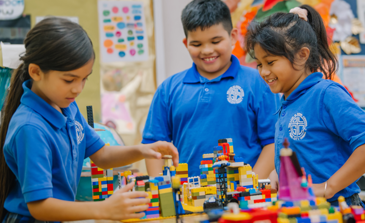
x=241 y=189
x=110 y=187
x=247 y=198
x=206 y=162
x=104 y=193
x=304 y=215
x=259 y=201
x=154 y=196
x=96 y=190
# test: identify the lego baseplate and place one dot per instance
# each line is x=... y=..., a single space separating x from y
x=159 y=218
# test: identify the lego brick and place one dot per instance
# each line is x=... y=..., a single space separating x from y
x=182 y=167
x=199 y=197
x=164 y=186
x=199 y=189
x=163 y=191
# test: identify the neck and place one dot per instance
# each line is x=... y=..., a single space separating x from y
x=301 y=78
x=211 y=76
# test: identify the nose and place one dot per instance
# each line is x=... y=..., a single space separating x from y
x=78 y=88
x=264 y=71
x=207 y=49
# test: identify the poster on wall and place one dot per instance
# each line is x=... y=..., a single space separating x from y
x=353 y=73
x=361 y=15
x=122 y=30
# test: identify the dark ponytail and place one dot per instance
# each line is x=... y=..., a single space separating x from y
x=284 y=34
x=53 y=44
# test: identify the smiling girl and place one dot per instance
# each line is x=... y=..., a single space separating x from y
x=324 y=125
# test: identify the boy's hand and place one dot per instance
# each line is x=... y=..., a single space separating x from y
x=274 y=180
x=158 y=149
x=124 y=205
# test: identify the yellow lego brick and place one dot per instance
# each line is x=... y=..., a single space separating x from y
x=210 y=165
x=149 y=195
x=163 y=191
x=201 y=193
x=231 y=149
x=208 y=155
x=199 y=189
x=210 y=190
x=210 y=178
x=283 y=220
x=324 y=211
x=100 y=169
x=249 y=175
x=110 y=178
x=183 y=175
x=320 y=200
x=182 y=167
x=153 y=187
x=198 y=202
x=211 y=172
x=263 y=196
x=155 y=204
x=335 y=216
x=204 y=184
x=110 y=192
x=274 y=195
x=194 y=209
x=303 y=203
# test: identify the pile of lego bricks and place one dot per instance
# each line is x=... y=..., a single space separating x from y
x=252 y=196
x=198 y=196
x=102 y=186
x=167 y=202
x=308 y=211
x=153 y=210
x=206 y=170
x=233 y=178
x=183 y=172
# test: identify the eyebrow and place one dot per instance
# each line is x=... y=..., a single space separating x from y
x=74 y=75
x=196 y=41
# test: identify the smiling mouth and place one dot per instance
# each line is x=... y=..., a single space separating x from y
x=208 y=59
x=272 y=80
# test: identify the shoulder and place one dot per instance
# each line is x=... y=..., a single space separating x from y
x=334 y=92
x=25 y=116
x=172 y=83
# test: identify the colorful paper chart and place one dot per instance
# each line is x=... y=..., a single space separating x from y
x=122 y=31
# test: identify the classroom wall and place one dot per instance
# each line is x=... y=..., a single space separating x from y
x=177 y=57
x=86 y=11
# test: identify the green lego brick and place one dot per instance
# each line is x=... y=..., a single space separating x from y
x=210 y=168
x=230 y=172
x=154 y=200
x=195 y=194
x=97 y=193
x=99 y=199
x=305 y=209
x=230 y=179
x=282 y=215
x=293 y=220
x=212 y=182
x=324 y=206
x=95 y=186
x=97 y=176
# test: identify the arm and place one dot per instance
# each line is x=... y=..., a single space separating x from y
x=265 y=163
x=115 y=156
x=121 y=205
x=154 y=167
x=352 y=170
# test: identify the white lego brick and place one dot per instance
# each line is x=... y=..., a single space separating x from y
x=208 y=155
x=238 y=164
x=256 y=197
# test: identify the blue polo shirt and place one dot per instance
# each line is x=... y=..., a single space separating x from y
x=323 y=125
x=194 y=112
x=45 y=150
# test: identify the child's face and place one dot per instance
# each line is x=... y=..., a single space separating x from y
x=278 y=71
x=211 y=49
x=60 y=88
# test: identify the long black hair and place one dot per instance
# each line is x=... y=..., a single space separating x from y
x=284 y=34
x=53 y=44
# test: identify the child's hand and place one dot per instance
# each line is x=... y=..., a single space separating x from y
x=274 y=180
x=320 y=191
x=124 y=205
x=158 y=149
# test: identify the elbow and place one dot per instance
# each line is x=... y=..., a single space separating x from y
x=37 y=210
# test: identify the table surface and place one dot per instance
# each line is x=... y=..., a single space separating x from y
x=186 y=219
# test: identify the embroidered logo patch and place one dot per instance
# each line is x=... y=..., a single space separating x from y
x=297 y=126
x=79 y=132
x=235 y=94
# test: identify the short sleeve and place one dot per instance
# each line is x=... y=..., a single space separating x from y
x=93 y=140
x=157 y=127
x=30 y=158
x=265 y=109
x=343 y=116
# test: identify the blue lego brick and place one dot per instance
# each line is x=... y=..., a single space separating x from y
x=104 y=189
x=235 y=185
x=110 y=182
x=312 y=203
x=164 y=186
x=323 y=218
x=303 y=220
x=267 y=199
x=235 y=171
x=204 y=169
x=95 y=183
x=204 y=159
x=160 y=179
x=196 y=179
x=104 y=182
x=203 y=176
x=288 y=204
x=332 y=221
x=104 y=196
x=184 y=179
x=252 y=190
x=249 y=186
x=152 y=212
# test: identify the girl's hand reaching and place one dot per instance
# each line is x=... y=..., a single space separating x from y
x=124 y=205
x=158 y=149
x=274 y=180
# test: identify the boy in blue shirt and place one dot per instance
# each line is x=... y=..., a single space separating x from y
x=216 y=98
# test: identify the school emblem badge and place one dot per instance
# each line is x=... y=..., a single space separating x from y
x=235 y=94
x=79 y=132
x=297 y=126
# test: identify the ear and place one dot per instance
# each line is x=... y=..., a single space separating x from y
x=185 y=42
x=234 y=36
x=35 y=72
x=302 y=56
